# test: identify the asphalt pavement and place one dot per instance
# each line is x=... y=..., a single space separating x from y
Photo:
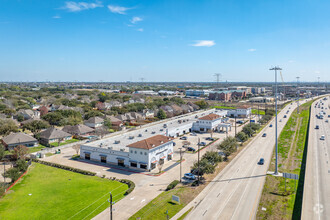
x=235 y=192
x=316 y=197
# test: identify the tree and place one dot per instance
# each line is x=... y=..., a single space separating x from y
x=20 y=152
x=160 y=166
x=12 y=173
x=241 y=136
x=255 y=126
x=212 y=157
x=228 y=146
x=202 y=104
x=93 y=113
x=161 y=114
x=53 y=118
x=205 y=167
x=247 y=130
x=21 y=165
x=2 y=152
x=36 y=126
x=107 y=123
x=76 y=147
x=7 y=126
x=20 y=118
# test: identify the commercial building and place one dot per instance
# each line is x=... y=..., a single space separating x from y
x=224 y=96
x=145 y=154
x=242 y=112
x=209 y=122
x=197 y=93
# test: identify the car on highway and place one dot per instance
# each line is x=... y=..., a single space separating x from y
x=271 y=125
x=317 y=127
x=280 y=120
x=183 y=138
x=261 y=161
x=264 y=135
x=189 y=176
x=327 y=121
x=284 y=116
x=322 y=138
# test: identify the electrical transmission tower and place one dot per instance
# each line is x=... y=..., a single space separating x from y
x=218 y=75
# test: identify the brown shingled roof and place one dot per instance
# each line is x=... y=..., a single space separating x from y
x=210 y=117
x=151 y=142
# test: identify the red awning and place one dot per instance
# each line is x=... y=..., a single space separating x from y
x=170 y=153
x=162 y=157
x=155 y=161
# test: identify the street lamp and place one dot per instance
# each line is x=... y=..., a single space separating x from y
x=276 y=144
x=181 y=163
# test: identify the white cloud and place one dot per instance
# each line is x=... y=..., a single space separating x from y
x=252 y=50
x=204 y=43
x=140 y=29
x=56 y=17
x=291 y=61
x=136 y=19
x=80 y=6
x=118 y=9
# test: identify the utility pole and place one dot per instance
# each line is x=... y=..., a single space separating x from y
x=235 y=127
x=180 y=164
x=110 y=201
x=276 y=144
x=198 y=161
x=258 y=115
x=298 y=94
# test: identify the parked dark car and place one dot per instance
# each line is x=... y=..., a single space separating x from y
x=317 y=127
x=209 y=139
x=191 y=149
x=189 y=176
x=264 y=135
x=202 y=143
x=183 y=138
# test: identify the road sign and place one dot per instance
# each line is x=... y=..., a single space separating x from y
x=176 y=198
x=291 y=176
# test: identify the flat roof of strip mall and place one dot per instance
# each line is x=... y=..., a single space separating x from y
x=121 y=141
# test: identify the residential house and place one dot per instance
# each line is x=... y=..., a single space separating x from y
x=168 y=110
x=43 y=110
x=28 y=114
x=52 y=134
x=177 y=110
x=14 y=139
x=148 y=113
x=115 y=122
x=94 y=122
x=78 y=130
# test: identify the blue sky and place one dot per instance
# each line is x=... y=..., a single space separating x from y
x=168 y=40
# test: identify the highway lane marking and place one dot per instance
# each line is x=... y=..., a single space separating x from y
x=204 y=212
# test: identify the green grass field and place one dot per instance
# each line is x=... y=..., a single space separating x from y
x=58 y=194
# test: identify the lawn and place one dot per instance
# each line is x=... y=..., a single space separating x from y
x=35 y=149
x=55 y=144
x=255 y=112
x=156 y=209
x=223 y=107
x=51 y=193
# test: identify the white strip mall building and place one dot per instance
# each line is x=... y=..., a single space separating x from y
x=143 y=148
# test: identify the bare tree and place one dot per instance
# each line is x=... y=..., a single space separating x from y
x=76 y=147
x=160 y=166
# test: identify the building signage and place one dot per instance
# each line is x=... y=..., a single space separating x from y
x=176 y=198
x=291 y=176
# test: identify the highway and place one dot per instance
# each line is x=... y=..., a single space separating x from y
x=316 y=198
x=235 y=192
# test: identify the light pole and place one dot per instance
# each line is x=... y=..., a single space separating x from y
x=276 y=144
x=298 y=94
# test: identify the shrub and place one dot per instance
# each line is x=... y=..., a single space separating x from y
x=131 y=185
x=85 y=172
x=172 y=185
x=21 y=165
x=13 y=173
